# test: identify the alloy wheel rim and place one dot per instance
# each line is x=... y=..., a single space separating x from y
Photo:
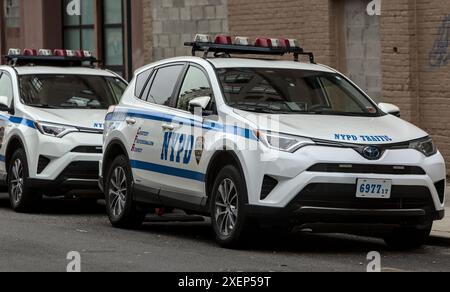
x=117 y=192
x=226 y=207
x=17 y=181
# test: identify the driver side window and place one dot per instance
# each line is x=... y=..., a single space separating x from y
x=6 y=88
x=195 y=85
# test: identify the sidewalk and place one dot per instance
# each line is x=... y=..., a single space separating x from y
x=441 y=229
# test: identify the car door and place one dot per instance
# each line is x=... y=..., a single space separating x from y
x=182 y=144
x=6 y=89
x=149 y=117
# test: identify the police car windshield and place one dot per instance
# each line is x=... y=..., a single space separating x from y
x=290 y=91
x=64 y=91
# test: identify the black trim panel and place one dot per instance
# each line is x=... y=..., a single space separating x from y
x=367 y=168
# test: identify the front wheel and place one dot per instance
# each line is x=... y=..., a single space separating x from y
x=21 y=197
x=228 y=215
x=122 y=210
x=409 y=237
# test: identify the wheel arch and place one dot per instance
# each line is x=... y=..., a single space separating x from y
x=14 y=143
x=218 y=161
x=114 y=148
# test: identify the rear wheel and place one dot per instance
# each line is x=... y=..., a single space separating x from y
x=228 y=215
x=409 y=237
x=122 y=210
x=22 y=198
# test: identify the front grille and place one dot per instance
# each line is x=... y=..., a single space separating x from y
x=42 y=164
x=81 y=170
x=440 y=187
x=344 y=196
x=268 y=186
x=367 y=169
x=88 y=149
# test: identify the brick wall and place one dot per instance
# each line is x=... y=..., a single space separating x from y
x=306 y=20
x=175 y=22
x=415 y=74
x=433 y=22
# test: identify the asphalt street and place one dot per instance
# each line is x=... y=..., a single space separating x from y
x=41 y=242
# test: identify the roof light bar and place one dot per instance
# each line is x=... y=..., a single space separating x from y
x=223 y=46
x=46 y=57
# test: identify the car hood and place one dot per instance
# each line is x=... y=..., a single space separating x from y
x=84 y=118
x=387 y=129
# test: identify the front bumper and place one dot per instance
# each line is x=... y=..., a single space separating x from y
x=78 y=176
x=310 y=194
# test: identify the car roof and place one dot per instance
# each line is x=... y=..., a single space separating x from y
x=243 y=63
x=28 y=70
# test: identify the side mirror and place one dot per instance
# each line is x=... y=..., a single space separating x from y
x=199 y=102
x=390 y=109
x=4 y=107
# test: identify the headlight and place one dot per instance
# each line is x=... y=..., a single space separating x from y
x=55 y=130
x=425 y=146
x=283 y=142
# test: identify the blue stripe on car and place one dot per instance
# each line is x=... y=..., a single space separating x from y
x=155 y=116
x=18 y=121
x=172 y=171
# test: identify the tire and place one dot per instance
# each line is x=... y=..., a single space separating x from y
x=122 y=210
x=409 y=237
x=228 y=207
x=22 y=198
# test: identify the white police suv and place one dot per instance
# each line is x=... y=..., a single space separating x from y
x=52 y=110
x=251 y=141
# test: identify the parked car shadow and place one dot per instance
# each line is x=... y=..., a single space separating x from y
x=295 y=242
x=55 y=206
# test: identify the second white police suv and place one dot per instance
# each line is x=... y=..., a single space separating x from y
x=281 y=143
x=52 y=109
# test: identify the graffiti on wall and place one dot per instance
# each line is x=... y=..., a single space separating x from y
x=439 y=55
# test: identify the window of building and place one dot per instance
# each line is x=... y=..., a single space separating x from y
x=79 y=30
x=113 y=41
x=100 y=23
x=12 y=13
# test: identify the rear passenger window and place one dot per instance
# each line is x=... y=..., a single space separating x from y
x=163 y=85
x=141 y=81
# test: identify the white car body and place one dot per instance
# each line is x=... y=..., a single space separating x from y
x=20 y=130
x=137 y=124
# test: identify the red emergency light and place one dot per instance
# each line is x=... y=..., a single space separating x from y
x=223 y=40
x=263 y=42
x=29 y=52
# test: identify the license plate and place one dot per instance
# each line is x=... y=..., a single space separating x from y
x=374 y=189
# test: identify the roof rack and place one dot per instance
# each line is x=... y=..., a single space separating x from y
x=59 y=58
x=223 y=46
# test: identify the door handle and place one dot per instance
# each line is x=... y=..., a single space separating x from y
x=130 y=121
x=168 y=127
